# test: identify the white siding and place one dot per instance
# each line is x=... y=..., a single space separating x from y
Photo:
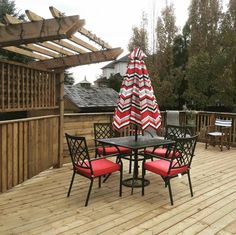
x=107 y=72
x=121 y=68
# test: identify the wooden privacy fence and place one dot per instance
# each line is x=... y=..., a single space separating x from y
x=82 y=124
x=24 y=88
x=27 y=147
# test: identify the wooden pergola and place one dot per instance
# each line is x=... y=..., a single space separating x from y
x=35 y=143
x=52 y=43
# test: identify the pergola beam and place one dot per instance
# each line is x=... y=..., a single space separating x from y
x=26 y=53
x=57 y=14
x=76 y=60
x=51 y=41
x=39 y=31
x=34 y=17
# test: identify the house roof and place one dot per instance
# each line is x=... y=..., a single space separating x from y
x=91 y=97
x=112 y=64
x=85 y=81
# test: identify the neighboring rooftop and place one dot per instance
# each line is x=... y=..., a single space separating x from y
x=92 y=98
x=84 y=83
x=124 y=59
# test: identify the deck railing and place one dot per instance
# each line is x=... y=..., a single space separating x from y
x=82 y=124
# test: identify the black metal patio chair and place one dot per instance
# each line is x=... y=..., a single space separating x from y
x=90 y=168
x=104 y=131
x=169 y=167
x=172 y=132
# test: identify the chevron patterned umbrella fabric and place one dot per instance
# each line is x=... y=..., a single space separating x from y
x=137 y=103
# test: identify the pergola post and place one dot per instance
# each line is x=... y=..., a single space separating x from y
x=60 y=78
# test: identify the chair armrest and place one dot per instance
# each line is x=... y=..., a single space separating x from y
x=104 y=157
x=150 y=156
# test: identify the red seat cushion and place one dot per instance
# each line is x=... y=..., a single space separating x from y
x=100 y=167
x=113 y=150
x=161 y=167
x=158 y=151
x=161 y=152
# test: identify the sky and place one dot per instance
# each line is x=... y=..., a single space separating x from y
x=111 y=20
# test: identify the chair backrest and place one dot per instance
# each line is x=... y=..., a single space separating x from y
x=78 y=151
x=223 y=123
x=104 y=130
x=184 y=149
x=174 y=132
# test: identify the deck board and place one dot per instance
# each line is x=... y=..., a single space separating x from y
x=40 y=205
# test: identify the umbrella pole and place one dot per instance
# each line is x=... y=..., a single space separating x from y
x=136 y=132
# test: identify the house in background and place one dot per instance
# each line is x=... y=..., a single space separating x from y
x=117 y=66
x=101 y=82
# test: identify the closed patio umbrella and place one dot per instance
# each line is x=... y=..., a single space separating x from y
x=136 y=102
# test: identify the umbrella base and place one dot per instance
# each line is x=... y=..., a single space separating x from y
x=135 y=183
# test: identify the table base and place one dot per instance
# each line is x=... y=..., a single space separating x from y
x=135 y=183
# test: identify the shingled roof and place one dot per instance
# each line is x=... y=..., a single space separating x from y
x=92 y=99
x=124 y=59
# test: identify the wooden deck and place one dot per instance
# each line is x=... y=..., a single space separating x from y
x=40 y=205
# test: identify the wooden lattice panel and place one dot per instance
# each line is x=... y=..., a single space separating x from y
x=24 y=88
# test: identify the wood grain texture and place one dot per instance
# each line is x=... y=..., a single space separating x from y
x=28 y=147
x=40 y=205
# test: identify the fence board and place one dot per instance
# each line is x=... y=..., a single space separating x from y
x=9 y=156
x=25 y=149
x=21 y=153
x=3 y=158
x=2 y=97
x=15 y=153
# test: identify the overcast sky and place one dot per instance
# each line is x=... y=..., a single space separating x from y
x=111 y=20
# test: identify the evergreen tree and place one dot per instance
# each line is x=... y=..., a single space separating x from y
x=9 y=7
x=140 y=36
x=166 y=32
x=208 y=80
x=227 y=54
x=204 y=20
x=115 y=81
x=68 y=78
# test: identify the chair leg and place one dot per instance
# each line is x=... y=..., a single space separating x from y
x=228 y=144
x=71 y=183
x=170 y=192
x=106 y=177
x=190 y=184
x=89 y=191
x=221 y=143
x=206 y=143
x=143 y=173
x=121 y=179
x=133 y=181
x=130 y=164
x=99 y=181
